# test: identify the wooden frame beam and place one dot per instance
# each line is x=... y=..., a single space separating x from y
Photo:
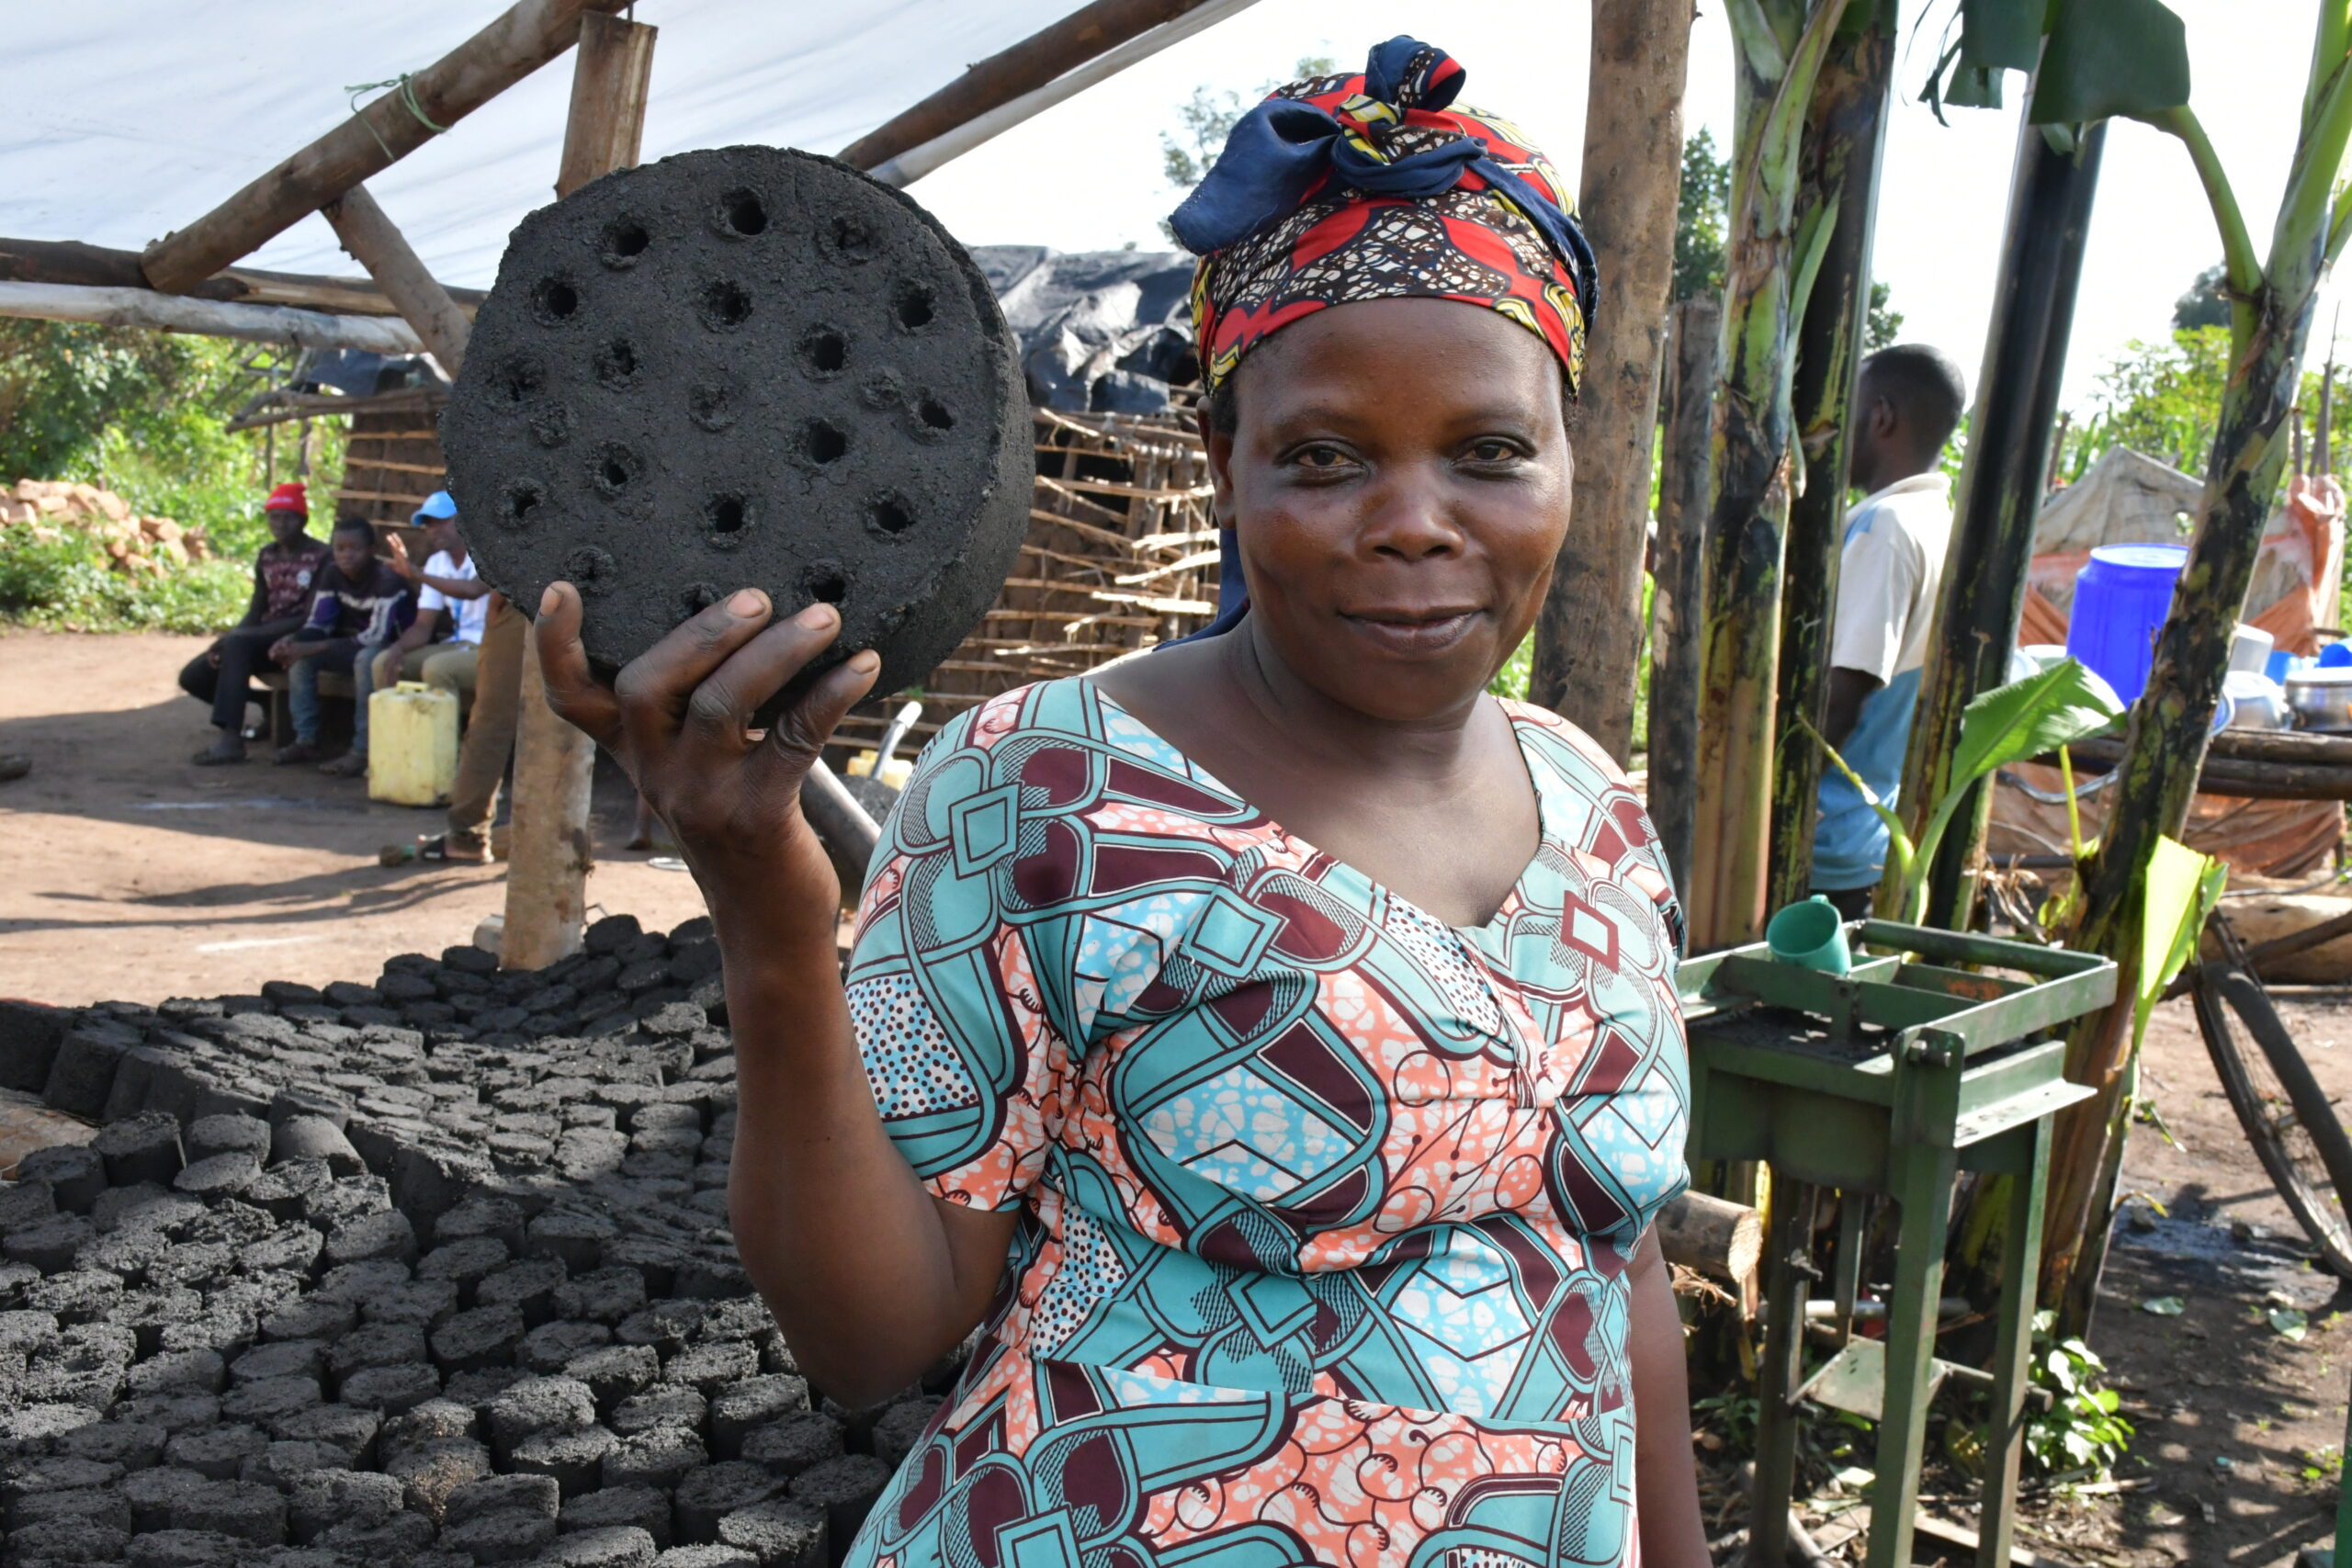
x=524 y=38
x=375 y=242
x=208 y=317
x=97 y=266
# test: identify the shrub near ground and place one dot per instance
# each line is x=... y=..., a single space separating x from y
x=142 y=414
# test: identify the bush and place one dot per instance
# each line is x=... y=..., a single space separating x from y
x=66 y=585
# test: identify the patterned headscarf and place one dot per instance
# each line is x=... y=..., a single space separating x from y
x=1371 y=187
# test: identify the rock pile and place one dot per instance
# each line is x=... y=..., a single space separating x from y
x=41 y=509
x=430 y=1272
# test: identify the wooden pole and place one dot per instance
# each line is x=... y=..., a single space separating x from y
x=95 y=266
x=547 y=870
x=395 y=124
x=1674 y=608
x=1844 y=133
x=375 y=242
x=210 y=318
x=1589 y=636
x=1008 y=75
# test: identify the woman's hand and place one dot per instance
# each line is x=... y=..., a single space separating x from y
x=678 y=719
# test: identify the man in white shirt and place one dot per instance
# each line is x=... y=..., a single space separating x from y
x=1889 y=576
x=449 y=591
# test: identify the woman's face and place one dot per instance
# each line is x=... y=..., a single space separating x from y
x=1398 y=481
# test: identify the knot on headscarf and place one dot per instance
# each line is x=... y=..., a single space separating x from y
x=1298 y=172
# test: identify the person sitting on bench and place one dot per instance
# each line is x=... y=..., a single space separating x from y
x=448 y=582
x=358 y=605
x=221 y=675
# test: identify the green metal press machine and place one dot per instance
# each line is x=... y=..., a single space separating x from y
x=1944 y=1055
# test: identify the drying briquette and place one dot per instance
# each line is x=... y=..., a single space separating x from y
x=749 y=366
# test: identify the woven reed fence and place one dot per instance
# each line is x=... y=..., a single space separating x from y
x=1120 y=556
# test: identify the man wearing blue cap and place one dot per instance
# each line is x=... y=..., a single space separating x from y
x=446 y=586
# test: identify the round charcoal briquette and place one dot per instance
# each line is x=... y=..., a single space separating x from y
x=782 y=1533
x=228 y=1331
x=311 y=1317
x=613 y=1546
x=536 y=1406
x=575 y=1459
x=192 y=1371
x=663 y=1405
x=62 y=1541
x=210 y=1135
x=25 y=1331
x=153 y=1493
x=655 y=1262
x=308 y=1138
x=398 y=1540
x=712 y=1366
x=477 y=1388
x=359 y=1284
x=481 y=1215
x=616 y=1372
x=620 y=419
x=576 y=1240
x=660 y=1458
x=465 y=1262
x=505 y=1534
x=430 y=1473
x=348 y=1428
x=486 y=1337
x=902 y=1426
x=50 y=1245
x=269 y=1401
x=281 y=1358
x=98 y=1505
x=665 y=1326
x=375 y=1345
x=242 y=1510
x=604 y=1295
x=131 y=1445
x=392 y=1390
x=125 y=1254
x=145 y=1147
x=715 y=1554
x=216 y=1453
x=529 y=1285
x=384 y=1236
x=427 y=1303
x=324 y=1498
x=283 y=1463
x=56 y=1472
x=794 y=1444
x=844 y=1488
x=499 y=1494
x=219 y=1176
x=610 y=1507
x=551 y=1347
x=292 y=1249
x=434 y=1421
x=741 y=1408
x=175 y=1412
x=715 y=1491
x=76 y=1174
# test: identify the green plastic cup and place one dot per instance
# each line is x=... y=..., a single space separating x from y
x=1812 y=934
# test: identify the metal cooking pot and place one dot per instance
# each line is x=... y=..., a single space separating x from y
x=2321 y=699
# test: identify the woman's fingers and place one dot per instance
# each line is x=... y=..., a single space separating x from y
x=659 y=684
x=722 y=705
x=803 y=729
x=573 y=691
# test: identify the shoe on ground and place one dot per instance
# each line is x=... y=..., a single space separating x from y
x=298 y=752
x=350 y=765
x=227 y=749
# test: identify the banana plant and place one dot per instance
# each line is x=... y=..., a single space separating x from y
x=2028 y=718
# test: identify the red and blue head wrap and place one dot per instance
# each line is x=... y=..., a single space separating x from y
x=1373 y=186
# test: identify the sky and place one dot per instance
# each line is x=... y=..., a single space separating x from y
x=176 y=103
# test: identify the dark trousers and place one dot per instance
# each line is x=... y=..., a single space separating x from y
x=228 y=687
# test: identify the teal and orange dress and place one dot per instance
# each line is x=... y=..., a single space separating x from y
x=1326 y=1206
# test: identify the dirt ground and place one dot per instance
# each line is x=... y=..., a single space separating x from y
x=126 y=871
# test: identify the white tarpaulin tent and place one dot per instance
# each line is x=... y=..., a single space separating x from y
x=130 y=116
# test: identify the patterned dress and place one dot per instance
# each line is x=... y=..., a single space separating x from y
x=1326 y=1207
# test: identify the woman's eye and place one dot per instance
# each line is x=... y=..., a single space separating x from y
x=1493 y=451
x=1324 y=457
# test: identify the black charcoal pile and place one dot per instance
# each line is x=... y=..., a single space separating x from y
x=430 y=1272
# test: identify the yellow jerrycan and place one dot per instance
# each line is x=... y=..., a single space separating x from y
x=412 y=744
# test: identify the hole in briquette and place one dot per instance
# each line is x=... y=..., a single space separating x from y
x=823 y=443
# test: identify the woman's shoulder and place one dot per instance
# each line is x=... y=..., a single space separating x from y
x=1568 y=751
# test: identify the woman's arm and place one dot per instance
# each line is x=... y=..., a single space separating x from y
x=871 y=1278
x=1666 y=1480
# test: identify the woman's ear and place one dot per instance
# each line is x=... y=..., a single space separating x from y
x=1220 y=452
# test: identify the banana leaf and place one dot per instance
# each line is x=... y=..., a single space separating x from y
x=2107 y=58
x=2181 y=889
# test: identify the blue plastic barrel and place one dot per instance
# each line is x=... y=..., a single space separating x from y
x=2120 y=600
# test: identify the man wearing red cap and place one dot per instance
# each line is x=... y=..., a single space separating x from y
x=282 y=571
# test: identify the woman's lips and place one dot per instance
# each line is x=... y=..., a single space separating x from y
x=1412 y=632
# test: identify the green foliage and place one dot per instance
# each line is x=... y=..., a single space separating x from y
x=1207 y=117
x=2207 y=302
x=1884 y=327
x=142 y=414
x=2163 y=400
x=1701 y=217
x=2100 y=57
x=2082 y=1429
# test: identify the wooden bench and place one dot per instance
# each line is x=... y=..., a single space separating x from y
x=334 y=685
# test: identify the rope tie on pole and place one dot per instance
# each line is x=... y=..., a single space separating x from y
x=406 y=87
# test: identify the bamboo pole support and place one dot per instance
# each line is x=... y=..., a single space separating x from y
x=547 y=873
x=381 y=133
x=208 y=317
x=1677 y=572
x=1589 y=635
x=1844 y=135
x=371 y=239
x=95 y=266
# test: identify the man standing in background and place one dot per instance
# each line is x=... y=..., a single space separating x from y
x=1907 y=401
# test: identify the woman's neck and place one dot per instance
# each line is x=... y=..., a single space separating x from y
x=1293 y=714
